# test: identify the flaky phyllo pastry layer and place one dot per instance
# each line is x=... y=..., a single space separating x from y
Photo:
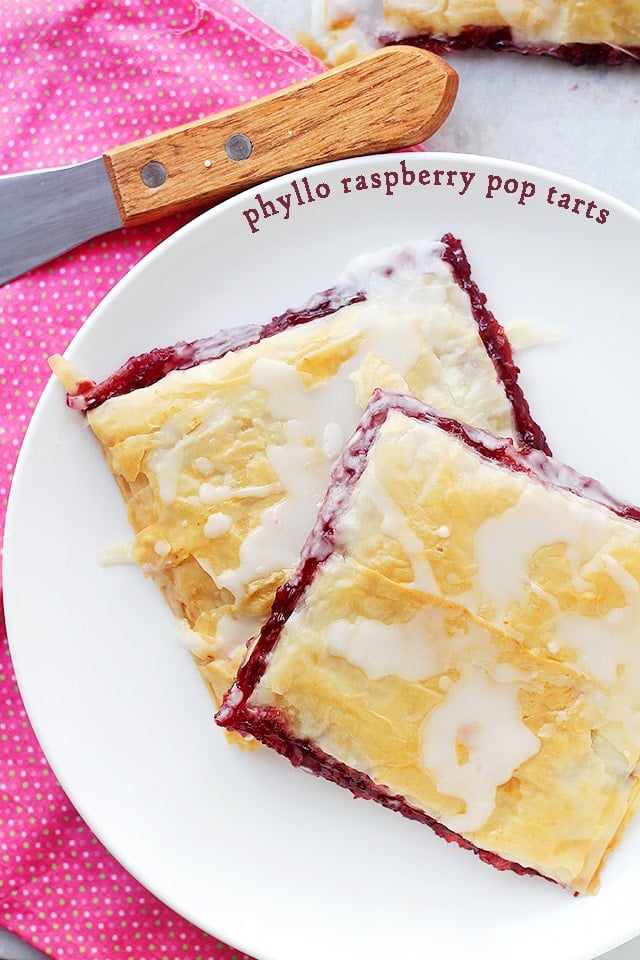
x=222 y=462
x=577 y=31
x=461 y=642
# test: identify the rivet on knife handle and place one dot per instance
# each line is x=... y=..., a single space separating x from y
x=396 y=97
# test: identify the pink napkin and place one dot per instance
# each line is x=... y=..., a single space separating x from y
x=77 y=77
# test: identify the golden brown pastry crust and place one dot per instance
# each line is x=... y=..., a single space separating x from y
x=343 y=31
x=532 y=21
x=405 y=660
x=221 y=466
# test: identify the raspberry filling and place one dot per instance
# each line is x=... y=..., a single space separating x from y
x=148 y=368
x=501 y=39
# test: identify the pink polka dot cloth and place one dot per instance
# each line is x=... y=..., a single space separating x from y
x=76 y=78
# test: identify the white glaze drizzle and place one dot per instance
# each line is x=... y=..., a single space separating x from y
x=216 y=525
x=161 y=548
x=203 y=466
x=394 y=524
x=413 y=651
x=484 y=717
x=510 y=10
x=607 y=647
x=505 y=544
x=480 y=711
x=367 y=21
x=233 y=633
x=166 y=461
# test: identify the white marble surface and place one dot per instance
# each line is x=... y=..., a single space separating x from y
x=583 y=123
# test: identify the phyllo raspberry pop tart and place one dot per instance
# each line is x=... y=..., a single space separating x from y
x=223 y=448
x=460 y=641
x=575 y=31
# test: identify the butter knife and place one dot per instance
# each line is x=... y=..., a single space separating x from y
x=396 y=97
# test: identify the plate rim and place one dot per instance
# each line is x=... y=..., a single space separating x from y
x=206 y=220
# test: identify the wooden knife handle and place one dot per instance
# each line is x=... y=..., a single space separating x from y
x=395 y=97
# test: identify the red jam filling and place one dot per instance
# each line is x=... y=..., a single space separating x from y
x=501 y=39
x=148 y=368
x=269 y=727
x=496 y=344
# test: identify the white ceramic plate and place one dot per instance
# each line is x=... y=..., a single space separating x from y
x=277 y=863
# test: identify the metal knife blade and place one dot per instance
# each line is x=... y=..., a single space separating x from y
x=396 y=97
x=47 y=212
